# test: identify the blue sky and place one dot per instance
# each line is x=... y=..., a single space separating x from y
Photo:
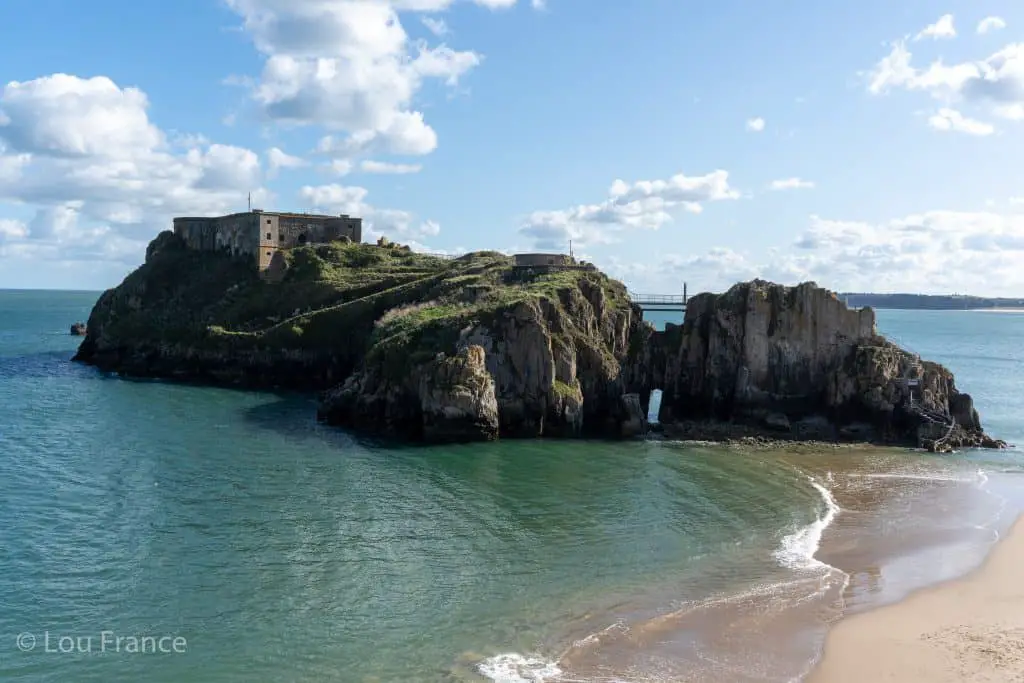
x=863 y=145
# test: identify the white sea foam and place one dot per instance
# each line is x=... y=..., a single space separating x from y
x=515 y=668
x=797 y=549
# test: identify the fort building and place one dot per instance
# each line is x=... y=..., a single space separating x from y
x=548 y=263
x=261 y=235
x=539 y=260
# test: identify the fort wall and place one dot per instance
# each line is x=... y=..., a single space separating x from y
x=260 y=235
x=528 y=260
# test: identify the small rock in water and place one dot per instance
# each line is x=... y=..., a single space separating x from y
x=78 y=329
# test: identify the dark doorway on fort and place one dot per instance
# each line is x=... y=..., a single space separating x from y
x=301 y=240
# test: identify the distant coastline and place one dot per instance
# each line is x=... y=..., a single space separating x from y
x=943 y=302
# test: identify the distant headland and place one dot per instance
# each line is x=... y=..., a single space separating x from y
x=938 y=302
x=486 y=345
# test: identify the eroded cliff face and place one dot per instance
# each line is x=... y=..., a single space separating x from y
x=554 y=366
x=797 y=362
x=758 y=347
x=449 y=398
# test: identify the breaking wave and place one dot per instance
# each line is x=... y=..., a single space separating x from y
x=797 y=549
x=515 y=668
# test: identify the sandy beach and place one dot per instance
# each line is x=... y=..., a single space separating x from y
x=971 y=629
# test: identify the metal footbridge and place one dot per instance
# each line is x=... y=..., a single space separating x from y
x=661 y=302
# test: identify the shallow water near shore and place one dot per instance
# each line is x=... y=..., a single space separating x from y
x=283 y=550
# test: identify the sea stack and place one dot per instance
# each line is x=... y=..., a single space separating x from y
x=796 y=362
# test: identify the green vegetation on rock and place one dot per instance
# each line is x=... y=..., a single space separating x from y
x=187 y=313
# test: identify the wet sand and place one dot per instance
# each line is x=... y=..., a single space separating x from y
x=970 y=629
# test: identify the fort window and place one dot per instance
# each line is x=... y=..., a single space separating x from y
x=280 y=237
x=302 y=239
x=268 y=221
x=268 y=253
x=269 y=237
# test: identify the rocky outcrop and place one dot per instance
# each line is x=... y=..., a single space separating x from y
x=905 y=399
x=796 y=361
x=554 y=363
x=448 y=399
x=439 y=350
x=756 y=350
x=78 y=330
x=635 y=417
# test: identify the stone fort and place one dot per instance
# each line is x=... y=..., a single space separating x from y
x=262 y=235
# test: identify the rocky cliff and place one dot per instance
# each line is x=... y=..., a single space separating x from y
x=796 y=362
x=551 y=346
x=474 y=348
x=400 y=343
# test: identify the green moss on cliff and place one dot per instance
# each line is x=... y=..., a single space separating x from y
x=564 y=390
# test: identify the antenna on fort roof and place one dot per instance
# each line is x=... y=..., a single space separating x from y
x=570 y=248
x=250 y=201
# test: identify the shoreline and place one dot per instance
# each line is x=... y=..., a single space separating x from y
x=967 y=628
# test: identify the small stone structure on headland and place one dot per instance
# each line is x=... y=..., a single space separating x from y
x=262 y=235
x=542 y=262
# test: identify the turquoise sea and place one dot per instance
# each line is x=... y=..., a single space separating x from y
x=160 y=533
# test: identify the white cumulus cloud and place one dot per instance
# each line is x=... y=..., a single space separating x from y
x=395 y=224
x=102 y=178
x=989 y=24
x=277 y=159
x=66 y=116
x=755 y=125
x=943 y=28
x=995 y=82
x=791 y=184
x=951 y=120
x=646 y=204
x=931 y=252
x=11 y=229
x=371 y=166
x=350 y=66
x=435 y=25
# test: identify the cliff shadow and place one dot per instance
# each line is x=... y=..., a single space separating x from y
x=294 y=416
x=46 y=364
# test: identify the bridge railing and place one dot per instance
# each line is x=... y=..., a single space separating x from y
x=657 y=298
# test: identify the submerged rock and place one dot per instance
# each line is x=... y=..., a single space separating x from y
x=78 y=330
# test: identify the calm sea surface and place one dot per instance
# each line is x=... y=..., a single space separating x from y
x=274 y=549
